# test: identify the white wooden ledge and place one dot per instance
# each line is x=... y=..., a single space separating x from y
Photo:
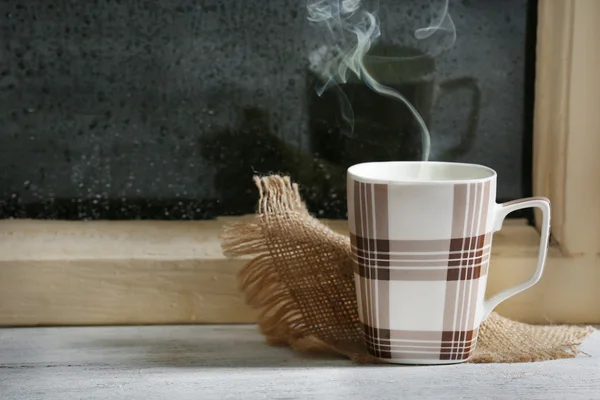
x=233 y=362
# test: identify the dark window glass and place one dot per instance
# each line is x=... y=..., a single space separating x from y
x=166 y=109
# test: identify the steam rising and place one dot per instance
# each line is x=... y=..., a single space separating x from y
x=352 y=30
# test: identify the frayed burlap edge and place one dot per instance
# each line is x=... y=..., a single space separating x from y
x=501 y=340
x=278 y=318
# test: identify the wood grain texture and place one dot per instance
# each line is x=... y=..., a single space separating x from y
x=145 y=272
x=148 y=272
x=567 y=124
x=232 y=362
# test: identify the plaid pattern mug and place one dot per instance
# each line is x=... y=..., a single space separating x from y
x=421 y=235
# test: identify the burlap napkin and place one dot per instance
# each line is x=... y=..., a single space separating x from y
x=300 y=279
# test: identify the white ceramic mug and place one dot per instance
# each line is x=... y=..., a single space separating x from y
x=421 y=236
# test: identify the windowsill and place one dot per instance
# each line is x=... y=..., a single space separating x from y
x=154 y=272
x=218 y=362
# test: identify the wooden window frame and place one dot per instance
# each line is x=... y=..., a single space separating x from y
x=158 y=272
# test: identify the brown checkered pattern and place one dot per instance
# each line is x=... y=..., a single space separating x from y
x=461 y=260
x=445 y=345
x=450 y=266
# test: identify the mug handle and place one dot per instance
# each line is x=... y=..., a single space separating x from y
x=502 y=210
x=448 y=87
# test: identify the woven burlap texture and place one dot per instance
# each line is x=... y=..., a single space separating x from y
x=300 y=279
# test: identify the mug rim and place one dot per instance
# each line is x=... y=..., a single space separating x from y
x=362 y=177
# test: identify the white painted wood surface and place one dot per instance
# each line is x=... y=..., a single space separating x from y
x=233 y=362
